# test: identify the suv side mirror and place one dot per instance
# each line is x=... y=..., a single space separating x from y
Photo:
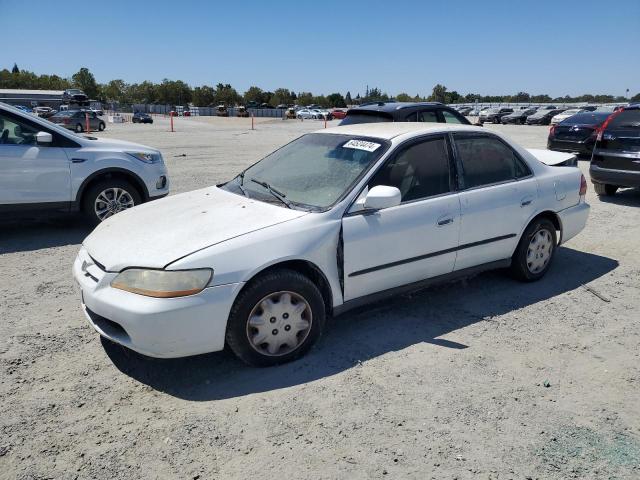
x=382 y=196
x=43 y=138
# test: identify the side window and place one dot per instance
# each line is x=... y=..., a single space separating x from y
x=413 y=117
x=487 y=160
x=16 y=132
x=450 y=117
x=419 y=171
x=428 y=116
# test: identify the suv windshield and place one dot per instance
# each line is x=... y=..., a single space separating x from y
x=312 y=172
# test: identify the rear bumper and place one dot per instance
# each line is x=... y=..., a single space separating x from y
x=584 y=148
x=573 y=220
x=620 y=178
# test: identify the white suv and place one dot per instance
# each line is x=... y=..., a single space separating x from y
x=46 y=167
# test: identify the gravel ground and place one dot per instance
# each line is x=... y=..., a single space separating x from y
x=481 y=379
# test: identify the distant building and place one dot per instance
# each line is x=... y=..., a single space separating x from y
x=32 y=98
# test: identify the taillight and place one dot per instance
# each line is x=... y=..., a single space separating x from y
x=603 y=127
x=66 y=121
x=583 y=185
x=552 y=131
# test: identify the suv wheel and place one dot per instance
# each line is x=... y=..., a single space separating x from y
x=79 y=127
x=101 y=126
x=108 y=197
x=275 y=319
x=604 y=189
x=535 y=251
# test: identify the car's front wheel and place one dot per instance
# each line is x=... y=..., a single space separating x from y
x=101 y=126
x=79 y=128
x=535 y=251
x=108 y=197
x=275 y=319
x=604 y=189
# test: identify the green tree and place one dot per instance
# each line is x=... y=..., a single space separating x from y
x=347 y=99
x=254 y=95
x=282 y=96
x=227 y=95
x=15 y=68
x=305 y=98
x=336 y=100
x=204 y=96
x=115 y=91
x=635 y=98
x=438 y=94
x=85 y=81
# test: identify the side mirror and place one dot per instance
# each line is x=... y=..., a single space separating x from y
x=43 y=138
x=382 y=196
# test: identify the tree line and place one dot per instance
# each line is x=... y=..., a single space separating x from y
x=177 y=92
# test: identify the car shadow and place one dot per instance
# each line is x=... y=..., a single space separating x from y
x=364 y=334
x=28 y=234
x=629 y=197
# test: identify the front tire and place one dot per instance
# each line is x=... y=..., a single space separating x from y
x=101 y=126
x=108 y=197
x=604 y=189
x=276 y=319
x=79 y=128
x=535 y=251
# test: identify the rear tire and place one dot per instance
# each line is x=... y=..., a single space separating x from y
x=604 y=189
x=101 y=126
x=535 y=251
x=79 y=128
x=286 y=336
x=95 y=199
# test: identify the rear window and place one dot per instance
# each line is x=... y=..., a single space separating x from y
x=586 y=118
x=368 y=117
x=625 y=119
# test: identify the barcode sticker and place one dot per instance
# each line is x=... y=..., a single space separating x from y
x=362 y=145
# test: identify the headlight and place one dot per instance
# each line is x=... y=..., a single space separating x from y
x=146 y=157
x=163 y=283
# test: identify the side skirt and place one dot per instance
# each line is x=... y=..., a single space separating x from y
x=447 y=277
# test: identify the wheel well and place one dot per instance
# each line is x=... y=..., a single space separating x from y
x=122 y=175
x=553 y=218
x=309 y=270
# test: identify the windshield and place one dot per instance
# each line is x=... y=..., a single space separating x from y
x=314 y=171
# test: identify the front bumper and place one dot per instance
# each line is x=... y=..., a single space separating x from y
x=573 y=220
x=157 y=327
x=619 y=178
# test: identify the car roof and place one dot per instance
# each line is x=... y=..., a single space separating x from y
x=393 y=106
x=389 y=130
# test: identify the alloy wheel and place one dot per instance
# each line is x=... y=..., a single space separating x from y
x=111 y=201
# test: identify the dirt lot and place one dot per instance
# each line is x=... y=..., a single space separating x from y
x=482 y=379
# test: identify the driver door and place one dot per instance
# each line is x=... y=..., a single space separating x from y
x=412 y=241
x=30 y=173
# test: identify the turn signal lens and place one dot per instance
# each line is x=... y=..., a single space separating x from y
x=163 y=283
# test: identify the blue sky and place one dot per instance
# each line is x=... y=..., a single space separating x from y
x=489 y=47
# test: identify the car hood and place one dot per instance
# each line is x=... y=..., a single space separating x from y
x=110 y=143
x=158 y=233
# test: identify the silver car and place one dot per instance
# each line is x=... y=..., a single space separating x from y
x=76 y=120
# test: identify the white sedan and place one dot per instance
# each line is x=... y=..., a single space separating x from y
x=330 y=221
x=564 y=115
x=312 y=113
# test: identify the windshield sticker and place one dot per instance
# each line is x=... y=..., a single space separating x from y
x=362 y=145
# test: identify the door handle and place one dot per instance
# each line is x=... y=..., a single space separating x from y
x=444 y=221
x=78 y=160
x=526 y=201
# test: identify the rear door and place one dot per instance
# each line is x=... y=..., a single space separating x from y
x=30 y=173
x=619 y=146
x=410 y=242
x=499 y=196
